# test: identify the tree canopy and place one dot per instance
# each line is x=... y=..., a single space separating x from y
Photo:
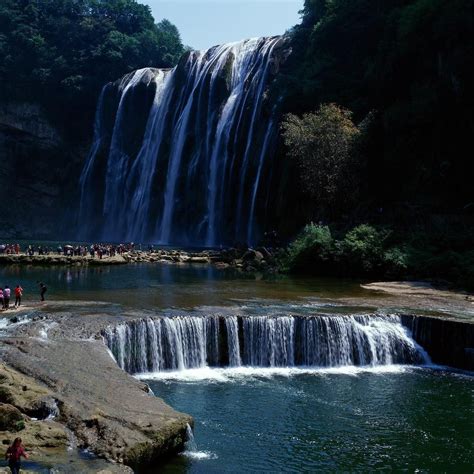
x=62 y=51
x=410 y=63
x=323 y=143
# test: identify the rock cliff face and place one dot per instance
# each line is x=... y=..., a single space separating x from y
x=38 y=174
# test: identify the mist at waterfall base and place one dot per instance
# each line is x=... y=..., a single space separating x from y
x=185 y=156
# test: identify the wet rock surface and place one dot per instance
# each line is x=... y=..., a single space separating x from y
x=24 y=401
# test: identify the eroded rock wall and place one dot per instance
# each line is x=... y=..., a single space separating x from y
x=38 y=174
x=447 y=342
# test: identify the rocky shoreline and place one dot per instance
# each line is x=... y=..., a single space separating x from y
x=58 y=381
x=247 y=260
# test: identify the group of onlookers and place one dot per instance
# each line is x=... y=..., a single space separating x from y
x=6 y=294
x=10 y=248
x=94 y=250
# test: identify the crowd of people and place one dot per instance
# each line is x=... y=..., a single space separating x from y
x=10 y=249
x=94 y=250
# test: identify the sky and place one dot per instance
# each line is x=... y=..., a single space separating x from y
x=206 y=23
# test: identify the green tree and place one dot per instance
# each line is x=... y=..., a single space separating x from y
x=64 y=51
x=322 y=143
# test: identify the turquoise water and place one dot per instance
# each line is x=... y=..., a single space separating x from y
x=341 y=420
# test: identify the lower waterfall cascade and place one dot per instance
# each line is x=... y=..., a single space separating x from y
x=186 y=342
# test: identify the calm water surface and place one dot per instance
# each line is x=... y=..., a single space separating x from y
x=168 y=286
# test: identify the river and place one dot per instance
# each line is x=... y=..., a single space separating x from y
x=410 y=416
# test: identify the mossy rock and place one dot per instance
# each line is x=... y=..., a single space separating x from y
x=165 y=442
x=11 y=419
x=6 y=395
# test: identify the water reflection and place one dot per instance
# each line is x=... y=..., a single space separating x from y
x=164 y=285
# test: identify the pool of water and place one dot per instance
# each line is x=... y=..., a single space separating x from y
x=336 y=420
x=167 y=286
x=279 y=420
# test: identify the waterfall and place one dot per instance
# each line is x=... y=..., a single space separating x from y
x=185 y=342
x=194 y=172
x=233 y=344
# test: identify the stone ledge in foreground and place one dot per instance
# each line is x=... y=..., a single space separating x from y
x=110 y=412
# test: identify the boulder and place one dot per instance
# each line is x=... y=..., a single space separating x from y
x=11 y=418
x=252 y=255
x=6 y=395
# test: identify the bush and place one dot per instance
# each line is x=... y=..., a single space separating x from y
x=362 y=250
x=311 y=251
x=396 y=262
x=368 y=251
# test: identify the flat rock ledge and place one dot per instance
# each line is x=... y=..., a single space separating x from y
x=103 y=408
x=249 y=260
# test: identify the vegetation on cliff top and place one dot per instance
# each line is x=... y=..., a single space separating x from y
x=404 y=69
x=409 y=64
x=61 y=52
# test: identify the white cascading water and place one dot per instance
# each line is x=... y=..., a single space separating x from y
x=185 y=342
x=203 y=161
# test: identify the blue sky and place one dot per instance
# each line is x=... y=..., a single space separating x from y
x=205 y=23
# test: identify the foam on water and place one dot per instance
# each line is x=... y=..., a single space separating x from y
x=237 y=374
x=192 y=451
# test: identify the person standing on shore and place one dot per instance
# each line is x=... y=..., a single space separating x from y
x=6 y=297
x=2 y=302
x=14 y=454
x=43 y=290
x=18 y=295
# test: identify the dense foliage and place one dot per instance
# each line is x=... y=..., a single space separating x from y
x=61 y=52
x=411 y=64
x=405 y=69
x=377 y=252
x=323 y=143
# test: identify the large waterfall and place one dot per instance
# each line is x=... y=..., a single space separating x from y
x=178 y=343
x=184 y=156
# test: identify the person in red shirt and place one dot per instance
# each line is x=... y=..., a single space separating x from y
x=18 y=295
x=14 y=454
